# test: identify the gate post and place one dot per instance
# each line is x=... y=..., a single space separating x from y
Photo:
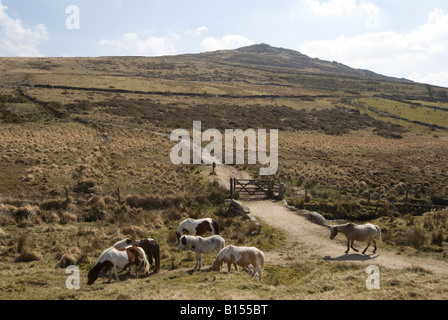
x=281 y=190
x=270 y=189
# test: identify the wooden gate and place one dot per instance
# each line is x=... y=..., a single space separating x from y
x=252 y=187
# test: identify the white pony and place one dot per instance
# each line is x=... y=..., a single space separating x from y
x=352 y=232
x=240 y=256
x=197 y=227
x=201 y=245
x=113 y=258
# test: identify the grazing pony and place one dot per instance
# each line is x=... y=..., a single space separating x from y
x=197 y=227
x=150 y=246
x=352 y=232
x=118 y=258
x=201 y=245
x=240 y=256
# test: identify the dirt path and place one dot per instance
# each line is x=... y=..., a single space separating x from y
x=306 y=240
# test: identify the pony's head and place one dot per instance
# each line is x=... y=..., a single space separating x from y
x=333 y=232
x=182 y=242
x=186 y=241
x=92 y=276
x=216 y=265
x=95 y=271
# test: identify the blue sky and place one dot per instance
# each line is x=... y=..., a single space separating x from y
x=401 y=38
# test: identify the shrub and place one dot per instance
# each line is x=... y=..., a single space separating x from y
x=415 y=237
x=55 y=204
x=25 y=246
x=25 y=212
x=437 y=238
x=66 y=260
x=154 y=201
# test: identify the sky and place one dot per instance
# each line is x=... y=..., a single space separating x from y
x=399 y=38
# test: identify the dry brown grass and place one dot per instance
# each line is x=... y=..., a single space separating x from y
x=94 y=148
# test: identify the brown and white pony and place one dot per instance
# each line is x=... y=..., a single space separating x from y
x=201 y=245
x=150 y=246
x=197 y=227
x=367 y=232
x=240 y=256
x=112 y=258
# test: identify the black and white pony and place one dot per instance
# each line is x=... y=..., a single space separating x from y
x=123 y=258
x=197 y=227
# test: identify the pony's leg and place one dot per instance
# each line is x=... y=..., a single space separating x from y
x=368 y=244
x=236 y=267
x=229 y=265
x=374 y=244
x=110 y=276
x=351 y=245
x=348 y=246
x=254 y=271
x=116 y=273
x=198 y=261
x=258 y=270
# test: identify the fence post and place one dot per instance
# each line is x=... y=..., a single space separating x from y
x=234 y=185
x=270 y=189
x=231 y=188
x=281 y=190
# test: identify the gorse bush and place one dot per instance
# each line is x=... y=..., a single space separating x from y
x=152 y=202
x=415 y=237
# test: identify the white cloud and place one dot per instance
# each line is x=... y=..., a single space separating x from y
x=225 y=43
x=200 y=30
x=17 y=39
x=382 y=51
x=142 y=43
x=346 y=8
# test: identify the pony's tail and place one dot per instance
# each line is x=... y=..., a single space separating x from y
x=261 y=264
x=215 y=227
x=261 y=257
x=145 y=261
x=157 y=258
x=378 y=229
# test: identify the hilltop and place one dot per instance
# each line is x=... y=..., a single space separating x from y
x=266 y=55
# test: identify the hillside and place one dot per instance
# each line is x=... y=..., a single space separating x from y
x=85 y=161
x=252 y=87
x=253 y=77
